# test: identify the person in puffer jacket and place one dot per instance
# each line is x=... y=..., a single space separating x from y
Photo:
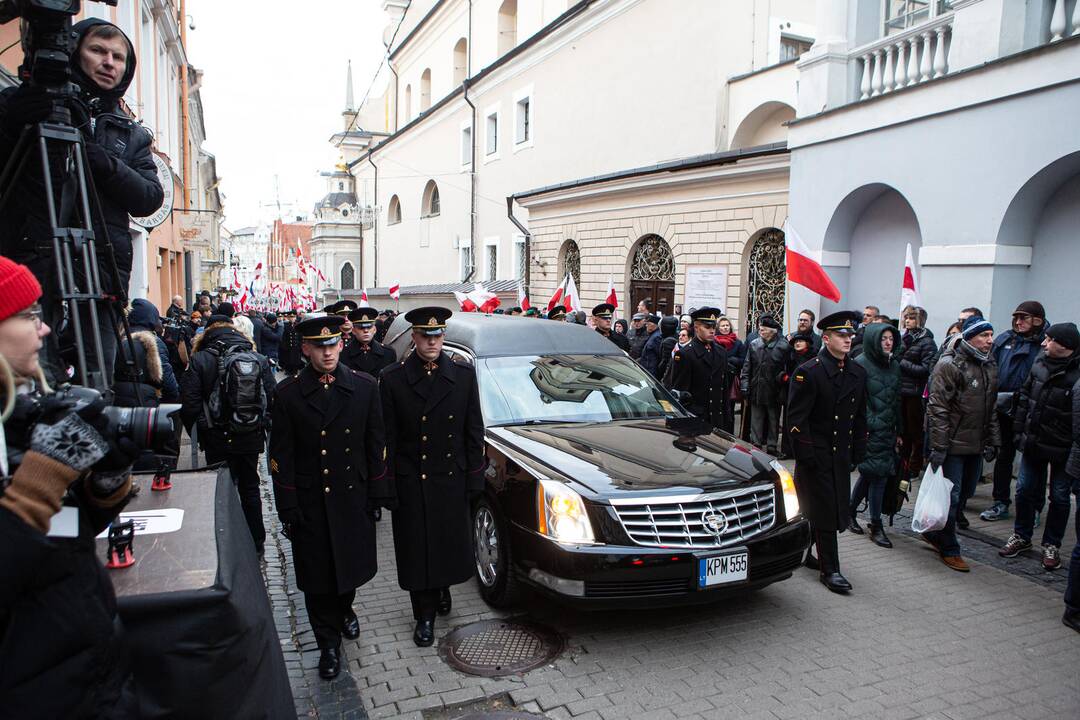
x=963 y=425
x=917 y=353
x=883 y=422
x=1047 y=431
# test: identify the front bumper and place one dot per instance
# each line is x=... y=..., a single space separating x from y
x=603 y=576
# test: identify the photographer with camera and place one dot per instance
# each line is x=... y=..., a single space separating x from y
x=59 y=647
x=227 y=392
x=121 y=168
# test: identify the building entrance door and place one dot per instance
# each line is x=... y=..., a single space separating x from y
x=766 y=279
x=652 y=275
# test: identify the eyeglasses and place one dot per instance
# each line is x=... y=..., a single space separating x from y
x=32 y=313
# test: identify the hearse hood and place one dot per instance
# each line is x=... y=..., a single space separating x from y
x=612 y=458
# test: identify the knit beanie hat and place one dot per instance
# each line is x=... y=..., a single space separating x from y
x=1031 y=307
x=1066 y=335
x=19 y=289
x=975 y=325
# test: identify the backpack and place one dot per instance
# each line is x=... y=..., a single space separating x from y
x=238 y=403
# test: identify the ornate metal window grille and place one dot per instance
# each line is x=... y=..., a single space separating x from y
x=571 y=262
x=348 y=277
x=767 y=278
x=653 y=260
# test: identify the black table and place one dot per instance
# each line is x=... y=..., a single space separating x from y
x=195 y=611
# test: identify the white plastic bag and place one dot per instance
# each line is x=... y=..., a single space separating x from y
x=932 y=504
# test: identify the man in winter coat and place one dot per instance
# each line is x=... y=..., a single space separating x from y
x=916 y=351
x=650 y=354
x=151 y=370
x=963 y=425
x=121 y=169
x=883 y=424
x=1014 y=352
x=805 y=326
x=701 y=369
x=669 y=326
x=827 y=422
x=1047 y=426
x=270 y=333
x=220 y=443
x=638 y=334
x=762 y=372
x=289 y=353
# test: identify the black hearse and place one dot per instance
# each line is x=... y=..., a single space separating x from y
x=600 y=488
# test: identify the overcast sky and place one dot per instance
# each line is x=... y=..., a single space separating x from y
x=273 y=92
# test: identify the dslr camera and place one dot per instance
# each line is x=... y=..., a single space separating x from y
x=150 y=428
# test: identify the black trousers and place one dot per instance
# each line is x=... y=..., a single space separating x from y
x=1003 y=464
x=425 y=603
x=828 y=553
x=244 y=469
x=327 y=614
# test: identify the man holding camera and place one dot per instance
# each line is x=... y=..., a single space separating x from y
x=58 y=644
x=121 y=170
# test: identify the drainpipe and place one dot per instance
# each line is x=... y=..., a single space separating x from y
x=374 y=227
x=472 y=151
x=528 y=239
x=394 y=72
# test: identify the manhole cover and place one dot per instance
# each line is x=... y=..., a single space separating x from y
x=499 y=647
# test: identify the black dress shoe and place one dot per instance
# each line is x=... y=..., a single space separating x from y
x=811 y=561
x=424 y=635
x=330 y=663
x=351 y=630
x=962 y=522
x=836 y=582
x=877 y=534
x=445 y=602
x=1072 y=619
x=854 y=526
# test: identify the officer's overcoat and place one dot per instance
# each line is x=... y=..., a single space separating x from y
x=826 y=420
x=372 y=360
x=435 y=440
x=327 y=457
x=702 y=370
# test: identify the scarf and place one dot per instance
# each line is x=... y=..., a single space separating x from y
x=726 y=341
x=982 y=357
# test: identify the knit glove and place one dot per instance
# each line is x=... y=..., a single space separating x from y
x=70 y=441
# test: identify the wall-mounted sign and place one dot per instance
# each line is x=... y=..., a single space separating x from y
x=706 y=286
x=196 y=228
x=165 y=178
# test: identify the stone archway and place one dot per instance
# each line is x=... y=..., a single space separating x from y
x=652 y=275
x=766 y=278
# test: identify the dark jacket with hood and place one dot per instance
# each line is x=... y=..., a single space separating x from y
x=152 y=379
x=650 y=354
x=963 y=391
x=270 y=338
x=122 y=172
x=918 y=353
x=883 y=417
x=669 y=327
x=1047 y=420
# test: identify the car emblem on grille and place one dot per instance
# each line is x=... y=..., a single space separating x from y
x=714 y=522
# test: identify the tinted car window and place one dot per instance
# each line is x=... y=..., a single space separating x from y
x=568 y=388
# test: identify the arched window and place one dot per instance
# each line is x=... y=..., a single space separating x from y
x=570 y=262
x=408 y=103
x=461 y=61
x=348 y=277
x=507 y=26
x=430 y=205
x=393 y=211
x=425 y=90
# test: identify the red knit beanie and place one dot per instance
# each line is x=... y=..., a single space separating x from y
x=19 y=289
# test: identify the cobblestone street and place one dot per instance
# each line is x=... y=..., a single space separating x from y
x=914 y=640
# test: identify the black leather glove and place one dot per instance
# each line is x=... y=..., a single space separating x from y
x=291 y=519
x=937 y=458
x=27 y=105
x=989 y=453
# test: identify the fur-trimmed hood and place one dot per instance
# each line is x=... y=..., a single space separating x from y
x=197 y=344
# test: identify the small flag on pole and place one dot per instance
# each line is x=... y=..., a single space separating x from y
x=395 y=291
x=523 y=299
x=909 y=289
x=803 y=270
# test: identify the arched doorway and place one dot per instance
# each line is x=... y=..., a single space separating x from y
x=652 y=275
x=766 y=277
x=570 y=262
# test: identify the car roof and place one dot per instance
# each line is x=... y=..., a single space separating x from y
x=501 y=335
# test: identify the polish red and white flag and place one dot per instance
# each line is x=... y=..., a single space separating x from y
x=363 y=298
x=466 y=303
x=258 y=271
x=395 y=291
x=909 y=288
x=571 y=301
x=612 y=298
x=557 y=296
x=523 y=299
x=804 y=270
x=485 y=301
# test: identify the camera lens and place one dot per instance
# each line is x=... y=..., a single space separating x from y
x=149 y=428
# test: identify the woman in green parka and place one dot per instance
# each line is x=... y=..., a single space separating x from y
x=883 y=422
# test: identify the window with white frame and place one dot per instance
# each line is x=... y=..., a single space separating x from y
x=465 y=260
x=792 y=47
x=466 y=144
x=898 y=15
x=523 y=118
x=520 y=261
x=491 y=259
x=491 y=133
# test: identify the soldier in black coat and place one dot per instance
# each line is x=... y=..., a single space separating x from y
x=343 y=308
x=328 y=462
x=365 y=353
x=602 y=320
x=701 y=369
x=826 y=420
x=290 y=356
x=435 y=439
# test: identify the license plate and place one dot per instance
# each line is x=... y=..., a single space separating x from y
x=722 y=569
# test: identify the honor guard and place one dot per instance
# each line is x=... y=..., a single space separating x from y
x=328 y=463
x=435 y=437
x=701 y=369
x=290 y=356
x=365 y=353
x=342 y=308
x=602 y=319
x=826 y=421
x=557 y=313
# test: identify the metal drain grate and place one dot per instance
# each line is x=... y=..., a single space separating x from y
x=500 y=647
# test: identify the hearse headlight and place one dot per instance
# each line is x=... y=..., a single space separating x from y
x=787 y=485
x=561 y=513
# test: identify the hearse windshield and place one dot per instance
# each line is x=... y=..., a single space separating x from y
x=536 y=389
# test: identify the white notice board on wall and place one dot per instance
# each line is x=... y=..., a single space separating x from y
x=706 y=286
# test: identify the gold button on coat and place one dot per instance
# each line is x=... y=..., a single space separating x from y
x=326 y=489
x=326 y=471
x=323 y=451
x=423 y=477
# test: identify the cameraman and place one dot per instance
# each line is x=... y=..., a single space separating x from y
x=59 y=647
x=120 y=162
